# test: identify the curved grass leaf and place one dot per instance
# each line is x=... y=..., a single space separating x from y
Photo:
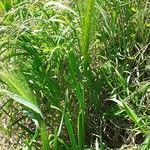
x=23 y=101
x=130 y=112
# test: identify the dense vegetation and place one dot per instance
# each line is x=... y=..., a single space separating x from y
x=75 y=74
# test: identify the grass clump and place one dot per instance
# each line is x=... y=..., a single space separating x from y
x=76 y=73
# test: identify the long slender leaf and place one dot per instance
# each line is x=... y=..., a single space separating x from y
x=24 y=102
x=70 y=132
x=44 y=136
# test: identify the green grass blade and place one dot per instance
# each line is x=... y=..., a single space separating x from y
x=23 y=101
x=44 y=136
x=17 y=83
x=87 y=29
x=146 y=144
x=135 y=118
x=70 y=132
x=81 y=130
x=130 y=112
